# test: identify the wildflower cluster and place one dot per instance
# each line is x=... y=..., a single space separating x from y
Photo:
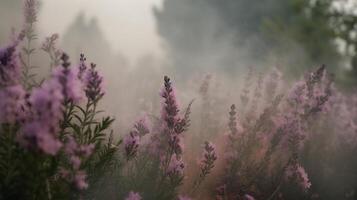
x=44 y=127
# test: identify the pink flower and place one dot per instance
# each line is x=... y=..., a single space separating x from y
x=304 y=180
x=176 y=166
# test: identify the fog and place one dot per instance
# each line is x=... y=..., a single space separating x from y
x=128 y=25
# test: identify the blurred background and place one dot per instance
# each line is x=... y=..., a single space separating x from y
x=202 y=36
x=135 y=43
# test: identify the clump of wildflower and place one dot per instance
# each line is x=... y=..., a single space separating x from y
x=41 y=130
x=133 y=196
x=131 y=145
x=94 y=83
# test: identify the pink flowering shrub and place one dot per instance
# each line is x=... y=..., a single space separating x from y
x=154 y=163
x=263 y=151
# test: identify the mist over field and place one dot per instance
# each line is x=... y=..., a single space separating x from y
x=178 y=99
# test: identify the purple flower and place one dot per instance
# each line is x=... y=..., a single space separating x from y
x=35 y=136
x=12 y=100
x=40 y=131
x=72 y=87
x=169 y=110
x=93 y=84
x=133 y=196
x=176 y=166
x=9 y=66
x=170 y=126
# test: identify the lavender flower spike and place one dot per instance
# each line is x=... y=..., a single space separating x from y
x=94 y=84
x=169 y=107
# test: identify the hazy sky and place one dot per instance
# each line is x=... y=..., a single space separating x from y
x=128 y=24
